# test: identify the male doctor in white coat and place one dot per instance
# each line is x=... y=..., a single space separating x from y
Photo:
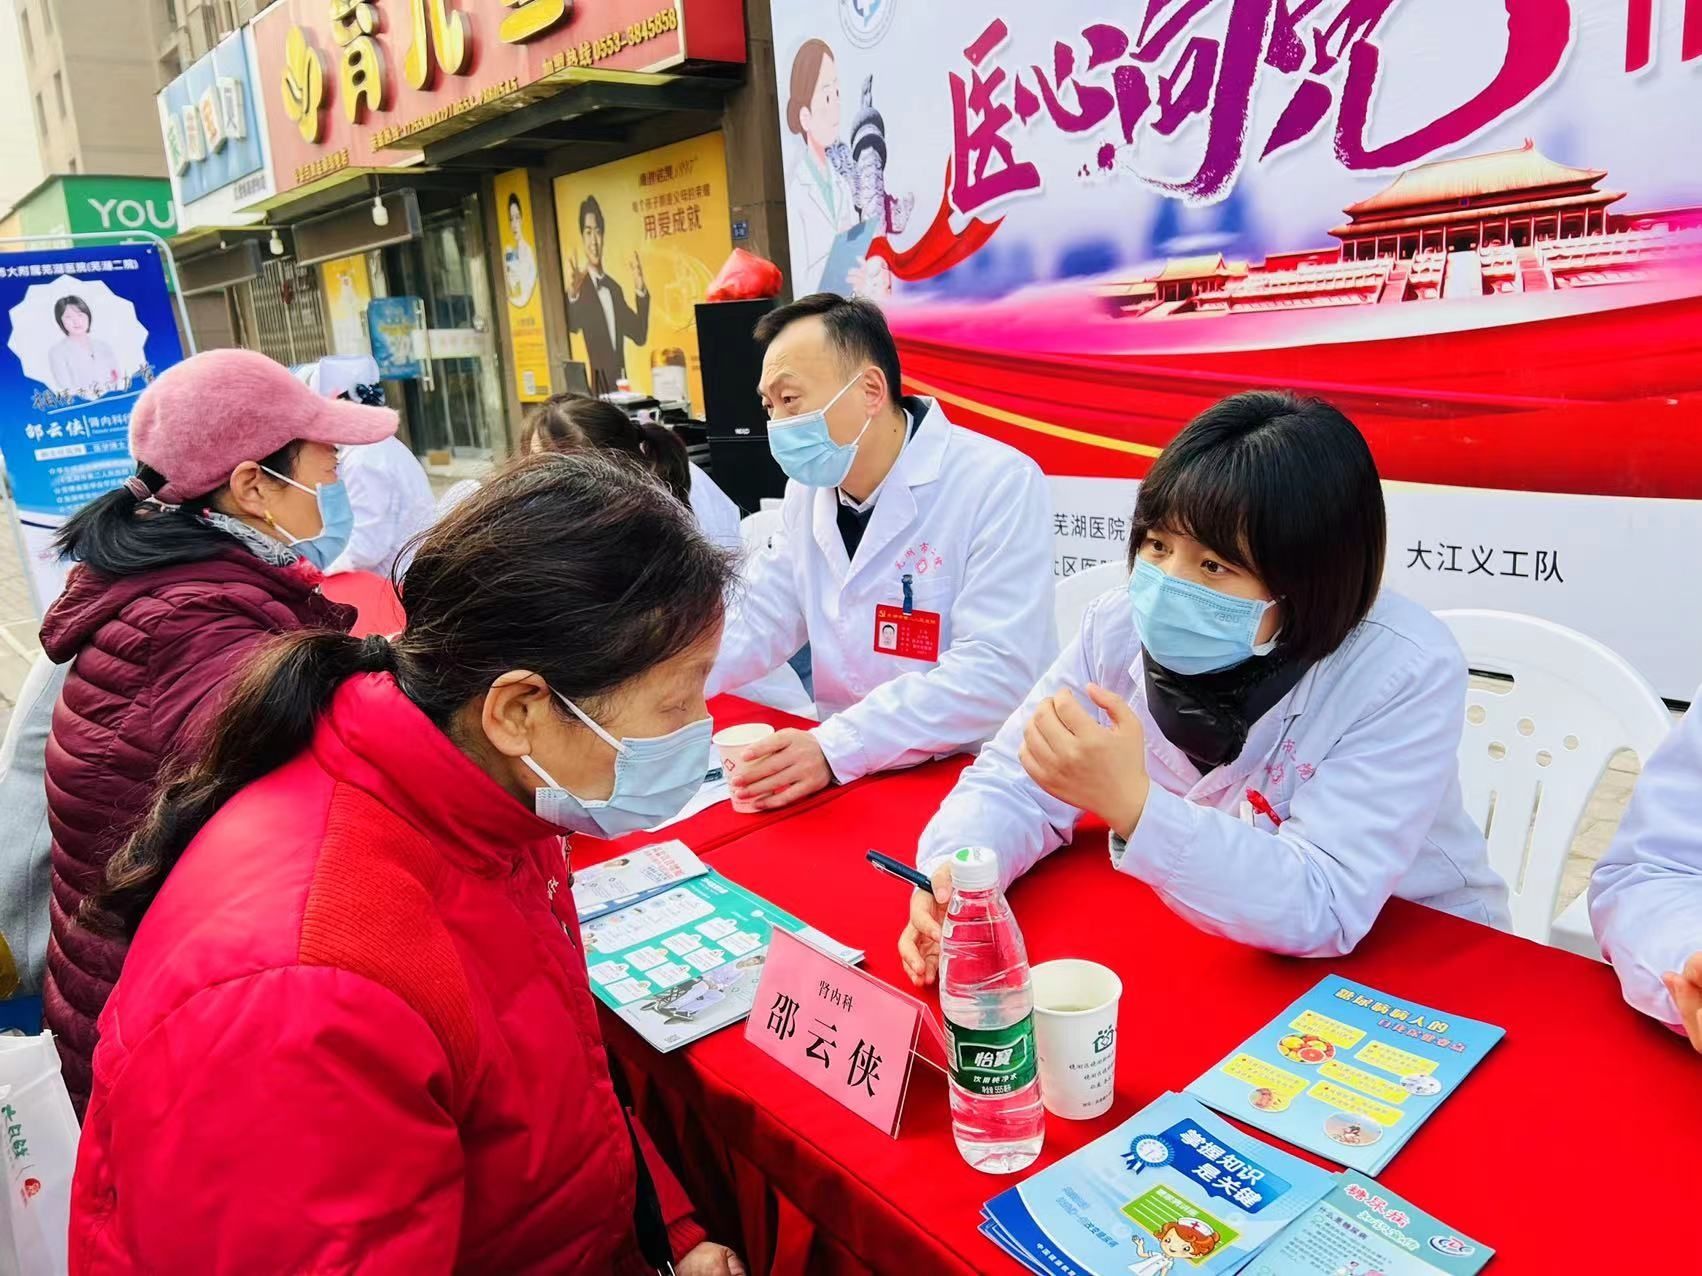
x=916 y=561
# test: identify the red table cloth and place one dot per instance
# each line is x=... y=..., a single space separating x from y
x=1582 y=1097
x=378 y=610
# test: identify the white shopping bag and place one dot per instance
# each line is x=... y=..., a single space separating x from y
x=38 y=1137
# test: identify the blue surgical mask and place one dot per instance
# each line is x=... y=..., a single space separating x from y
x=336 y=518
x=1190 y=628
x=805 y=449
x=654 y=778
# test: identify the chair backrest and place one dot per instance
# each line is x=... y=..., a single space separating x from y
x=1074 y=593
x=757 y=529
x=1531 y=758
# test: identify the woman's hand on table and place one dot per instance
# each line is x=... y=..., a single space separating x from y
x=1091 y=767
x=710 y=1259
x=1686 y=989
x=919 y=945
x=781 y=768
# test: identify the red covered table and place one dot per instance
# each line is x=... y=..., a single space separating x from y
x=1581 y=1097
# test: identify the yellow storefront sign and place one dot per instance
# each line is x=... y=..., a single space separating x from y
x=528 y=348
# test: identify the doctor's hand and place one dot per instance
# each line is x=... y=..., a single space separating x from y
x=1100 y=769
x=1686 y=989
x=919 y=945
x=781 y=768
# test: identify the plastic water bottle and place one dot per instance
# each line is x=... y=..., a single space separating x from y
x=988 y=1003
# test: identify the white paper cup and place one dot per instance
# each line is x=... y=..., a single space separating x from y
x=731 y=743
x=1075 y=1036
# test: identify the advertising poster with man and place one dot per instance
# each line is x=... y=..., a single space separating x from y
x=641 y=241
x=86 y=329
x=1472 y=226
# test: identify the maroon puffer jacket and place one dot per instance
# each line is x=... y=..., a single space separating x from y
x=155 y=655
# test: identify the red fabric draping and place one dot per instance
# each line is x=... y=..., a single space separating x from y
x=1581 y=1087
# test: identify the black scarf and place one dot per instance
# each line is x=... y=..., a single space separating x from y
x=1208 y=715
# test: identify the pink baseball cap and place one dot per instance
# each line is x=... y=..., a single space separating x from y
x=203 y=417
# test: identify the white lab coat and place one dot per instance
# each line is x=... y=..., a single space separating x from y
x=978 y=515
x=1359 y=761
x=392 y=500
x=717 y=516
x=816 y=221
x=1646 y=893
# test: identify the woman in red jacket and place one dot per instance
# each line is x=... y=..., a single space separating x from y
x=215 y=544
x=355 y=1030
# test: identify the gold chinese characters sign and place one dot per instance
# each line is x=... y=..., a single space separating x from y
x=363 y=84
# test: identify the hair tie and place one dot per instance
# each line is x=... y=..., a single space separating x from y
x=376 y=654
x=138 y=489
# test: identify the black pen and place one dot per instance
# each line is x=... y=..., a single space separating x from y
x=898 y=868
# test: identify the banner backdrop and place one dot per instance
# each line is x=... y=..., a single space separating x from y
x=1476 y=227
x=641 y=240
x=86 y=329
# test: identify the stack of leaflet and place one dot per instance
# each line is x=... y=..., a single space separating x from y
x=1363 y=1229
x=1172 y=1187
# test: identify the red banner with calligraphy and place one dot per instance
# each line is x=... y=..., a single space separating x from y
x=1474 y=225
x=356 y=84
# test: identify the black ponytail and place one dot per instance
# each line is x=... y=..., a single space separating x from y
x=268 y=720
x=573 y=422
x=124 y=533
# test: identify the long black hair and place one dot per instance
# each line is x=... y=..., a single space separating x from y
x=121 y=535
x=571 y=421
x=576 y=567
x=1285 y=487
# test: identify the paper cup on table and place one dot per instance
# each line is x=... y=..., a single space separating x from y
x=731 y=743
x=1075 y=1036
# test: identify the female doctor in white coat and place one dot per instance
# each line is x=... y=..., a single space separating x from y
x=1271 y=740
x=1646 y=894
x=817 y=192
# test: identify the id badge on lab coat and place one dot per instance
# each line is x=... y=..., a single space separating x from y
x=915 y=636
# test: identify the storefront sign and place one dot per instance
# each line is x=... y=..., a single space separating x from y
x=364 y=83
x=77 y=205
x=528 y=351
x=214 y=143
x=647 y=235
x=1471 y=226
x=348 y=289
x=86 y=330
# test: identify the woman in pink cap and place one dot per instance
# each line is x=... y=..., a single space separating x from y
x=215 y=544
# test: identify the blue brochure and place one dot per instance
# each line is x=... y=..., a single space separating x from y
x=1173 y=1191
x=1361 y=1229
x=1347 y=1072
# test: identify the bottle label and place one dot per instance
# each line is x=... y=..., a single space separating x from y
x=993 y=1061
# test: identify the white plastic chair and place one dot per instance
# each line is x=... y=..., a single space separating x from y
x=1531 y=758
x=1074 y=593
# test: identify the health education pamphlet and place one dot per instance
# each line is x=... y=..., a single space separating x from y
x=680 y=964
x=1361 y=1229
x=612 y=885
x=1173 y=1191
x=1347 y=1072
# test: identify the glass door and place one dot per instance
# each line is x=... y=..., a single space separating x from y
x=456 y=405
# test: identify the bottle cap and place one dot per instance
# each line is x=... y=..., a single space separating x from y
x=974 y=868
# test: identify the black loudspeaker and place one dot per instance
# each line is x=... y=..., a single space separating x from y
x=744 y=468
x=732 y=365
x=739 y=459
